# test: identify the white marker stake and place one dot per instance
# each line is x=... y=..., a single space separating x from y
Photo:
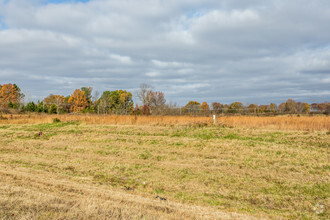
x=213 y=119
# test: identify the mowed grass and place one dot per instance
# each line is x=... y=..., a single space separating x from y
x=76 y=170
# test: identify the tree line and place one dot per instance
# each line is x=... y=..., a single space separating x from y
x=153 y=103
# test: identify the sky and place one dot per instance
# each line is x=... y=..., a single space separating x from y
x=223 y=51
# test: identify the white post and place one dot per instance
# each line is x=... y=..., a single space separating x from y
x=214 y=119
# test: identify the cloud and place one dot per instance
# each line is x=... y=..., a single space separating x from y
x=122 y=59
x=163 y=64
x=230 y=50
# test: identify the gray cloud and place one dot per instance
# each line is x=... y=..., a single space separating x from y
x=231 y=50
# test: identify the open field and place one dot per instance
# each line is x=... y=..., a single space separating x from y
x=306 y=123
x=113 y=167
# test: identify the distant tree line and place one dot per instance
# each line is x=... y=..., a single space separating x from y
x=153 y=103
x=288 y=107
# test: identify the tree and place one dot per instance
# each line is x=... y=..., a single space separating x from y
x=290 y=106
x=262 y=108
x=40 y=107
x=143 y=92
x=125 y=101
x=145 y=110
x=322 y=107
x=235 y=107
x=204 y=108
x=66 y=105
x=57 y=100
x=95 y=96
x=9 y=93
x=137 y=110
x=272 y=107
x=104 y=102
x=117 y=102
x=217 y=107
x=52 y=109
x=302 y=107
x=281 y=107
x=327 y=107
x=20 y=94
x=88 y=94
x=78 y=101
x=225 y=108
x=191 y=106
x=30 y=107
x=307 y=108
x=155 y=101
x=252 y=108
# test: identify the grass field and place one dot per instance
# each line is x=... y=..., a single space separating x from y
x=87 y=169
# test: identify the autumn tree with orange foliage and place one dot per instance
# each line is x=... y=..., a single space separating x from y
x=9 y=93
x=78 y=101
x=205 y=108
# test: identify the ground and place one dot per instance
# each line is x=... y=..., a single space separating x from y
x=79 y=170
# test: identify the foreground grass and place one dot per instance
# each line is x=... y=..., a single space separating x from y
x=76 y=170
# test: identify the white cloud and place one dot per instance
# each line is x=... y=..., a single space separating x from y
x=122 y=59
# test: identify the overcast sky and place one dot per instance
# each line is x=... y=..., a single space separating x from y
x=255 y=51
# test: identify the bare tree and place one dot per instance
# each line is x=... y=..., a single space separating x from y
x=96 y=96
x=156 y=101
x=142 y=94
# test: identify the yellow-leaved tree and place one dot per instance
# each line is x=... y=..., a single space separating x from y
x=8 y=94
x=78 y=101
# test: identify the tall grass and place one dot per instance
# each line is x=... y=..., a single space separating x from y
x=307 y=123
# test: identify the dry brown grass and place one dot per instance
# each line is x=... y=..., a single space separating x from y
x=79 y=171
x=306 y=123
x=31 y=194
